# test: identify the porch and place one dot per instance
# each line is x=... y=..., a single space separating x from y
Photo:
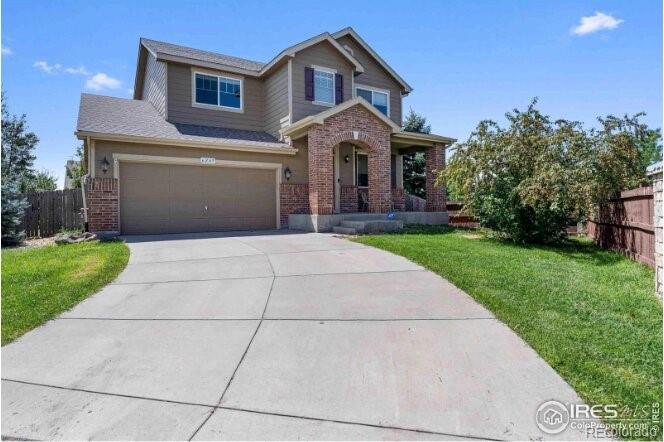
x=355 y=165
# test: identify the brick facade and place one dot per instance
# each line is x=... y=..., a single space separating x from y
x=348 y=199
x=435 y=162
x=398 y=200
x=294 y=198
x=360 y=127
x=102 y=199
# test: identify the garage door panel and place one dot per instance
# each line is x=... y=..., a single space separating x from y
x=162 y=198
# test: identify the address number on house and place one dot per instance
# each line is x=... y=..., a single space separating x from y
x=208 y=160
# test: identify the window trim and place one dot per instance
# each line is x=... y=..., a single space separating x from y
x=219 y=76
x=357 y=154
x=373 y=89
x=334 y=85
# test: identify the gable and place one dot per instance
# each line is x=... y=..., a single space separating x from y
x=367 y=56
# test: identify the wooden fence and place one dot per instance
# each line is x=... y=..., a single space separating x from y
x=626 y=225
x=51 y=212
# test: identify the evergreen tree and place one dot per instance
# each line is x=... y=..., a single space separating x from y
x=13 y=207
x=17 y=159
x=414 y=177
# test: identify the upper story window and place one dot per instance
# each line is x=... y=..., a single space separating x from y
x=324 y=86
x=215 y=90
x=380 y=98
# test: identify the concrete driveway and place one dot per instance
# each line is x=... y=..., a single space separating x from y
x=274 y=336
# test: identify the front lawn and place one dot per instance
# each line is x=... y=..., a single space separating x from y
x=40 y=283
x=590 y=313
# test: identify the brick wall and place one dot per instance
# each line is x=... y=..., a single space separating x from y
x=294 y=198
x=435 y=162
x=102 y=199
x=398 y=200
x=360 y=127
x=348 y=199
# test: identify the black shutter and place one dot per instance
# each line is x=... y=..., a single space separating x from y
x=308 y=84
x=338 y=88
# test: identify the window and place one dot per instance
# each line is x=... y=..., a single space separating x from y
x=213 y=90
x=206 y=89
x=324 y=87
x=362 y=169
x=380 y=99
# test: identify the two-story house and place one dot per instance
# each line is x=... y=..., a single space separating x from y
x=213 y=142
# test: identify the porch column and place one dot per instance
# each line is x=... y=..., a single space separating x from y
x=379 y=192
x=321 y=173
x=435 y=162
x=399 y=171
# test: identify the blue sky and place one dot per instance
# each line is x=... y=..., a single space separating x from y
x=466 y=60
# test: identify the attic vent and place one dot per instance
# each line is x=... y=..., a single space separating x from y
x=350 y=51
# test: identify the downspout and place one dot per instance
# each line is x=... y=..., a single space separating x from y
x=85 y=202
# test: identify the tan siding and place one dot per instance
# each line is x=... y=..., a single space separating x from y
x=374 y=75
x=324 y=55
x=180 y=109
x=346 y=169
x=276 y=100
x=297 y=163
x=154 y=85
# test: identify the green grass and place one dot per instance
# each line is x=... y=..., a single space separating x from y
x=590 y=313
x=40 y=283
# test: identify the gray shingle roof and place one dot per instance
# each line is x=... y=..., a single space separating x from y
x=197 y=54
x=137 y=118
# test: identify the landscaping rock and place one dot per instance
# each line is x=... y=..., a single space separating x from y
x=73 y=238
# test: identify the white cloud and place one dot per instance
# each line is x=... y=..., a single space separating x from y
x=78 y=71
x=101 y=81
x=595 y=23
x=7 y=51
x=97 y=82
x=48 y=68
x=57 y=68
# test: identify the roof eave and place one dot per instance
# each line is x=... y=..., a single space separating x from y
x=350 y=31
x=325 y=36
x=420 y=137
x=261 y=147
x=161 y=56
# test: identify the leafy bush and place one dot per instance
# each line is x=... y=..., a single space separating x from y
x=532 y=179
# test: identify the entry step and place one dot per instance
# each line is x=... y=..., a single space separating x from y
x=374 y=225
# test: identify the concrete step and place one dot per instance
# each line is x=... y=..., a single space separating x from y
x=344 y=230
x=374 y=226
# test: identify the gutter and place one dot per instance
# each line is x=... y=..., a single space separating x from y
x=258 y=146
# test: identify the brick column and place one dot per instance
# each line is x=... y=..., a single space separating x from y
x=321 y=173
x=103 y=200
x=294 y=198
x=435 y=162
x=380 y=193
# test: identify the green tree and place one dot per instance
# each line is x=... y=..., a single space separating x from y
x=13 y=208
x=530 y=180
x=17 y=159
x=18 y=145
x=414 y=177
x=416 y=123
x=76 y=172
x=39 y=182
